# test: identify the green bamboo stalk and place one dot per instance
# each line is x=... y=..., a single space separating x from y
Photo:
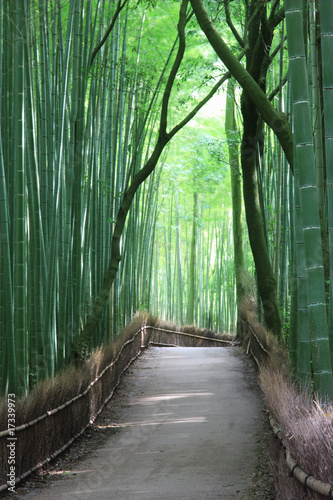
x=236 y=194
x=7 y=339
x=8 y=365
x=305 y=171
x=43 y=81
x=53 y=234
x=37 y=260
x=198 y=301
x=192 y=275
x=326 y=26
x=283 y=285
x=20 y=234
x=65 y=318
x=301 y=337
x=317 y=106
x=180 y=286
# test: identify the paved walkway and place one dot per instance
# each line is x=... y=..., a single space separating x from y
x=188 y=432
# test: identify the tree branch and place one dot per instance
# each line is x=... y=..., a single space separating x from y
x=277 y=48
x=119 y=8
x=278 y=88
x=231 y=25
x=274 y=119
x=276 y=16
x=197 y=108
x=174 y=70
x=81 y=344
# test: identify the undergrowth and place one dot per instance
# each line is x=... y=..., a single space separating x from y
x=306 y=424
x=73 y=380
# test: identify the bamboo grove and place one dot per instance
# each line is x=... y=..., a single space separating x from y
x=123 y=188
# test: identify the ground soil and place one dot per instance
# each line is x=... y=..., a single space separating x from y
x=56 y=479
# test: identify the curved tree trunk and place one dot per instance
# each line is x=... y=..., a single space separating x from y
x=81 y=344
x=276 y=120
x=260 y=37
x=254 y=101
x=265 y=276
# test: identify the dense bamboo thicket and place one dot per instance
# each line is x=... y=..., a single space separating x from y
x=84 y=107
x=194 y=278
x=66 y=118
x=77 y=122
x=107 y=208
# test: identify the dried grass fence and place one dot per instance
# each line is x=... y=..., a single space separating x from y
x=56 y=417
x=304 y=429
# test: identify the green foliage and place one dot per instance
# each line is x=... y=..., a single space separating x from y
x=87 y=129
x=197 y=163
x=150 y=4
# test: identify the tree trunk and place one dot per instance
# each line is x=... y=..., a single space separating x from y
x=277 y=121
x=254 y=100
x=265 y=276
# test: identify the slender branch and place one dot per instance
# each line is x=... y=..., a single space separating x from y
x=232 y=26
x=276 y=16
x=274 y=6
x=277 y=48
x=197 y=108
x=278 y=88
x=174 y=69
x=119 y=8
x=147 y=114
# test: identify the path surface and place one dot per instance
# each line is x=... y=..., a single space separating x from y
x=189 y=431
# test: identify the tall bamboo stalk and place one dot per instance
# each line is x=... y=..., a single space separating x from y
x=20 y=235
x=231 y=133
x=305 y=171
x=326 y=26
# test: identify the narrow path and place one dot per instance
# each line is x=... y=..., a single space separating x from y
x=189 y=431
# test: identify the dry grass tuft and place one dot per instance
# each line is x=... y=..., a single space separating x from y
x=306 y=425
